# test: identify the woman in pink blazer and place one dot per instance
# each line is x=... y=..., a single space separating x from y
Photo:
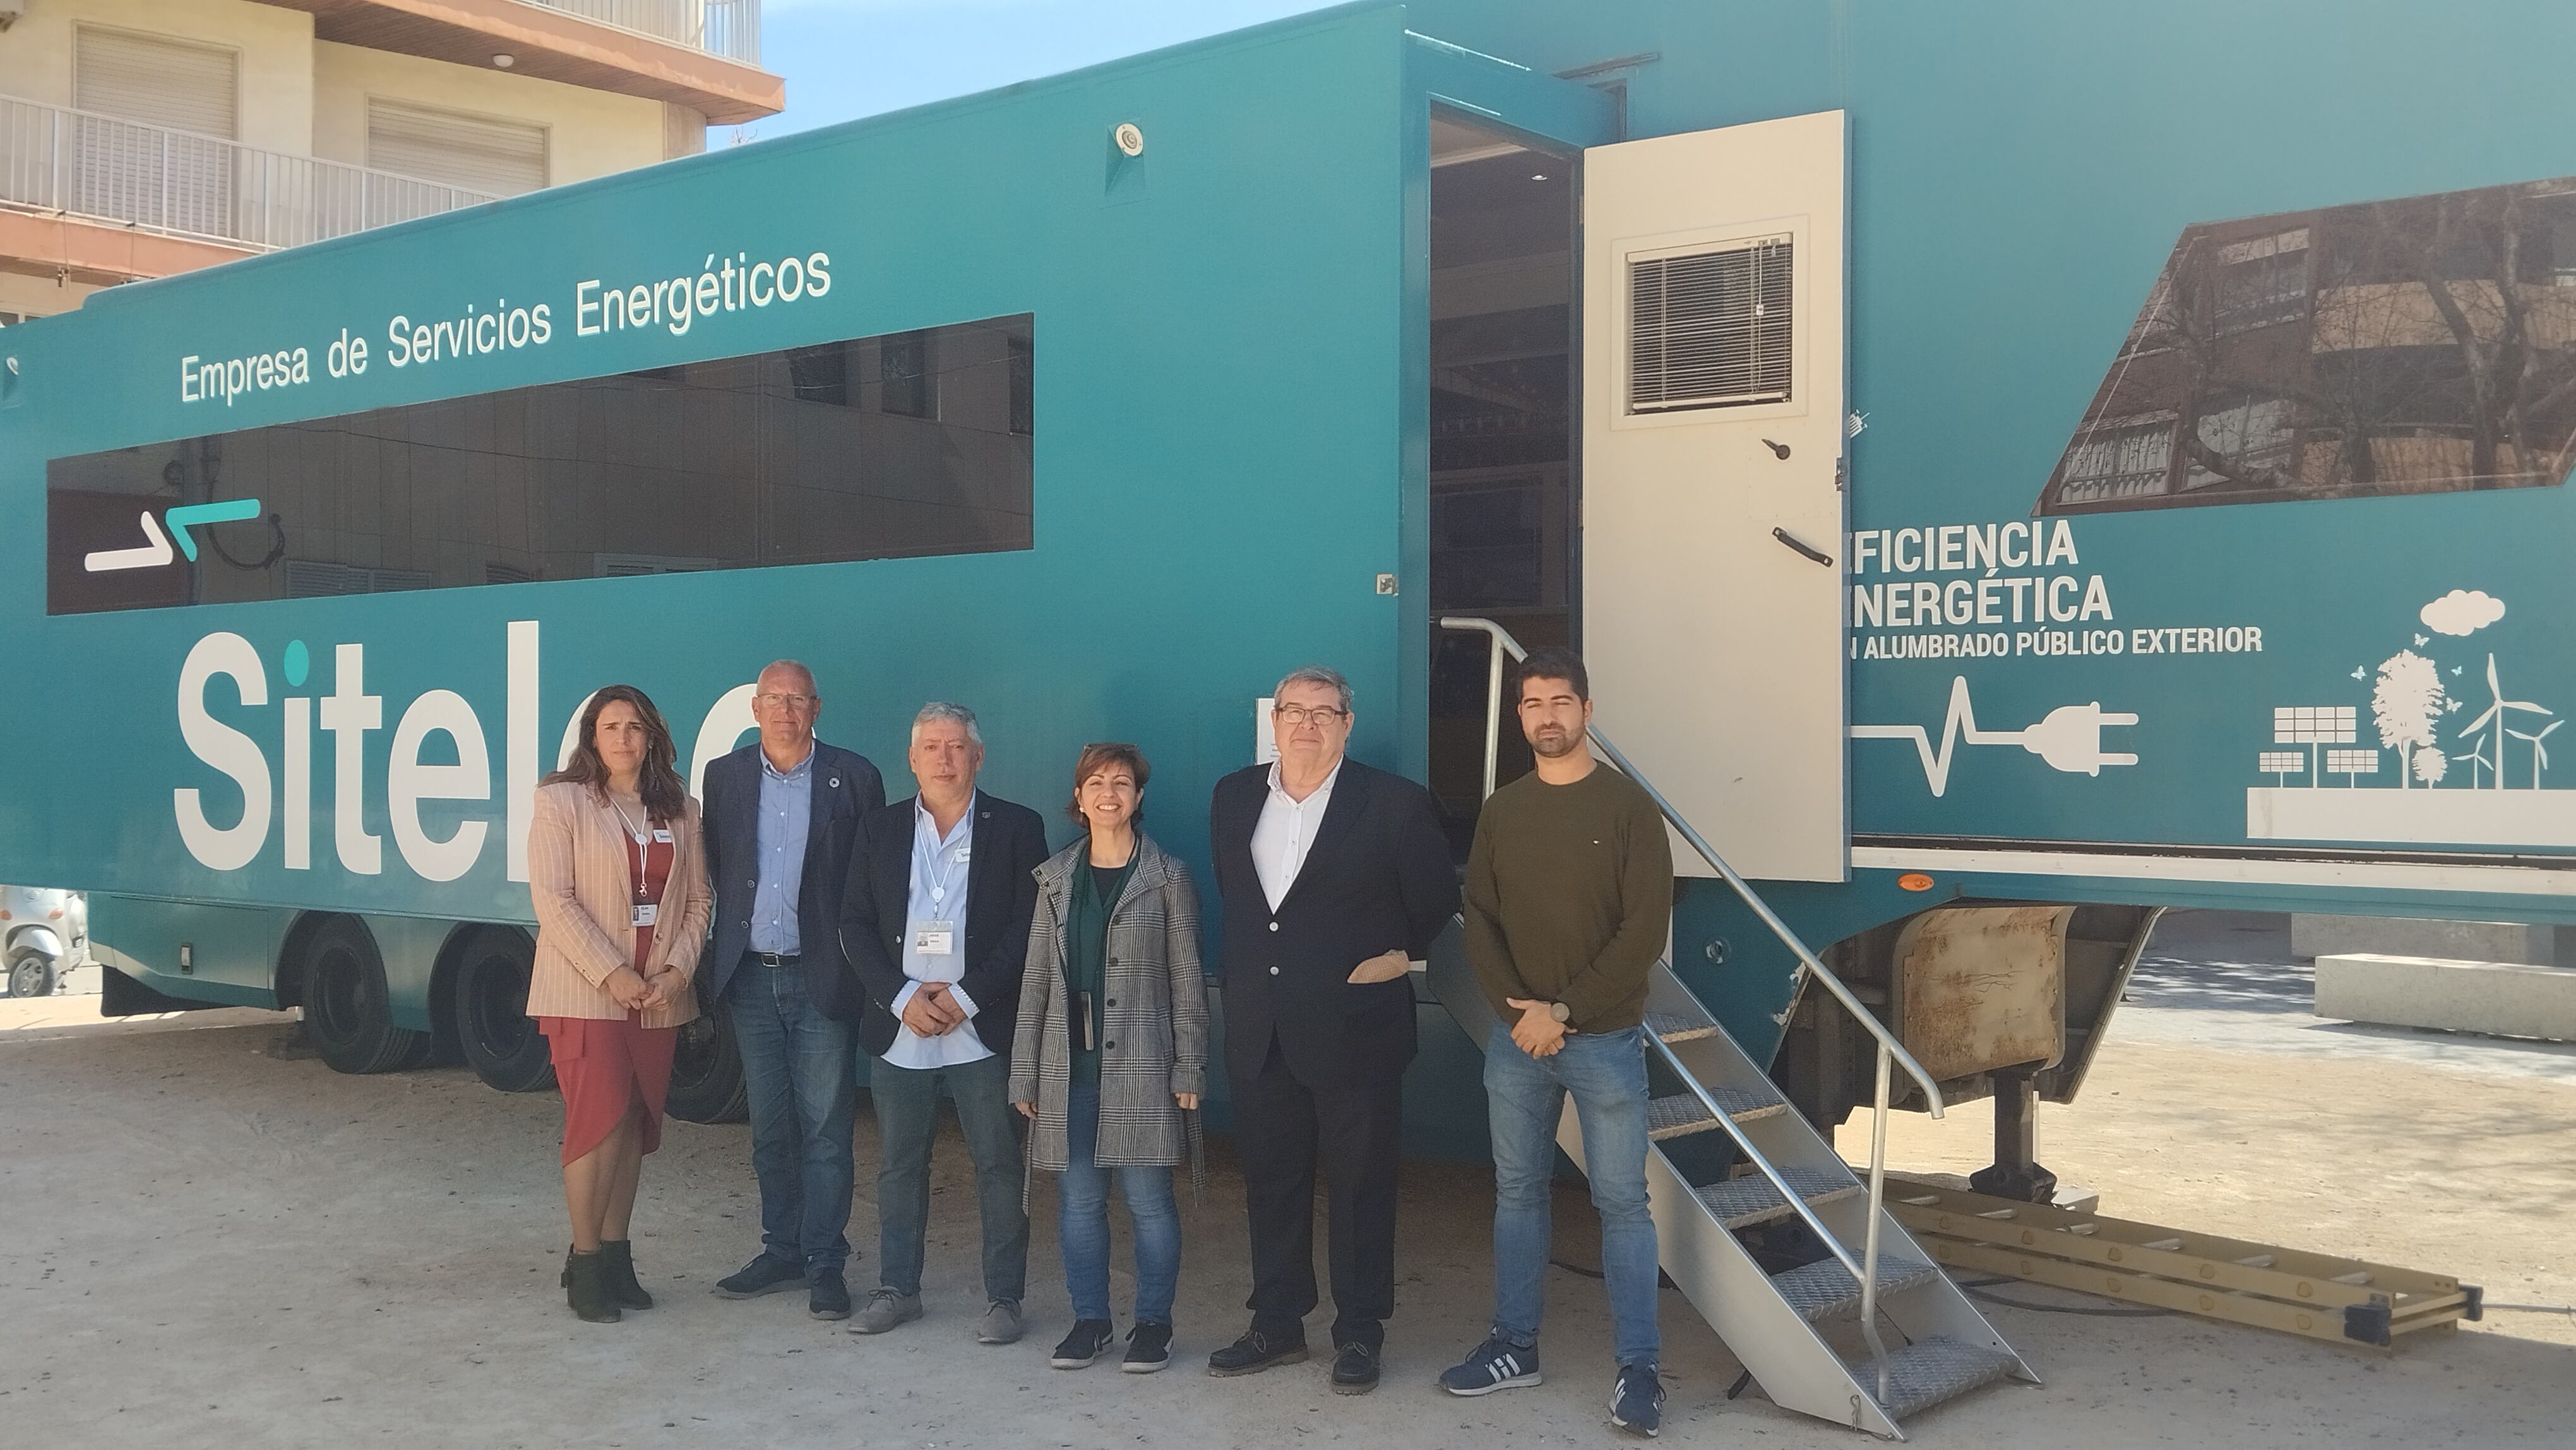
x=618 y=874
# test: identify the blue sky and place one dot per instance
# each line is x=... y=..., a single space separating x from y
x=848 y=58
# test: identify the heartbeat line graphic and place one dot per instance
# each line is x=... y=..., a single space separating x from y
x=2070 y=738
x=154 y=554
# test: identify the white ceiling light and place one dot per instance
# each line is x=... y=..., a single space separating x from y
x=505 y=60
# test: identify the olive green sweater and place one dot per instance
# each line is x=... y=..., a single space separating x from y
x=1570 y=898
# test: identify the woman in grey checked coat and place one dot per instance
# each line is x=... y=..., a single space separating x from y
x=1111 y=1054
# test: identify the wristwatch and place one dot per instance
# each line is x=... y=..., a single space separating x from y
x=1558 y=1011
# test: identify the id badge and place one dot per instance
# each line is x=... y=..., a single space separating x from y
x=646 y=913
x=661 y=838
x=935 y=939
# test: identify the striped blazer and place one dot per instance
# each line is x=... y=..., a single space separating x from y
x=1154 y=1006
x=580 y=880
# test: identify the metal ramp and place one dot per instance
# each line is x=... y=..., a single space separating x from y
x=1727 y=1156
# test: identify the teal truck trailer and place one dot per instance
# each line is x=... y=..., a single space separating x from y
x=2011 y=468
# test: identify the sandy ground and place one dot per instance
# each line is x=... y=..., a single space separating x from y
x=211 y=1246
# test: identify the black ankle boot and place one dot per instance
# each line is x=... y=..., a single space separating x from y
x=618 y=1256
x=585 y=1280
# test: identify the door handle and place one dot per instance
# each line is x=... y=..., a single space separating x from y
x=1800 y=546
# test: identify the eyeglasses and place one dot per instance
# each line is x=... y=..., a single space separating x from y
x=1323 y=715
x=787 y=702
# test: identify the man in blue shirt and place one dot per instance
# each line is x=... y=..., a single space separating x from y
x=781 y=816
x=935 y=924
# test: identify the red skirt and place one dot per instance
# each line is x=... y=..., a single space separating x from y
x=604 y=1067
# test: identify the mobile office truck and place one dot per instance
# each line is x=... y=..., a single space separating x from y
x=2011 y=468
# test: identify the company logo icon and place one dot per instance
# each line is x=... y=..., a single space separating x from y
x=156 y=553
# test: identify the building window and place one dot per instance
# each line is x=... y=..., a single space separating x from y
x=488 y=155
x=733 y=463
x=2261 y=283
x=909 y=387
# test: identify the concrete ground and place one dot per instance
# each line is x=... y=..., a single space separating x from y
x=207 y=1245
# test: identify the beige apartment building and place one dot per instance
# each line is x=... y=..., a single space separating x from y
x=144 y=137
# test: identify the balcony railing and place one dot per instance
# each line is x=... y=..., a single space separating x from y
x=202 y=187
x=729 y=28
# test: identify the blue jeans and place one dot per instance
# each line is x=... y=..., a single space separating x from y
x=1525 y=1097
x=1082 y=1222
x=796 y=1067
x=907 y=1102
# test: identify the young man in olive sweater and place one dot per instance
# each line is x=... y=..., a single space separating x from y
x=1569 y=900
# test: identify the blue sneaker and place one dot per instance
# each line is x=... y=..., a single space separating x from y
x=1637 y=1401
x=1497 y=1364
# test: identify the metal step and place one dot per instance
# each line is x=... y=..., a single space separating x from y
x=1679 y=1026
x=1744 y=1202
x=1827 y=1290
x=1684 y=1113
x=1929 y=1371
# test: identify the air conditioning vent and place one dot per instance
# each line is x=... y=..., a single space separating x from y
x=1712 y=328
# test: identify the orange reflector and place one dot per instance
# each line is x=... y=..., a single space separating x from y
x=1914 y=881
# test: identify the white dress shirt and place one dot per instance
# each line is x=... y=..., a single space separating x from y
x=940 y=868
x=1286 y=832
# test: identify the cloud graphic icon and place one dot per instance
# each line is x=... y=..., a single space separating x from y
x=2462 y=611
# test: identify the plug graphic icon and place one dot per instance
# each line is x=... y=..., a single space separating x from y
x=2070 y=738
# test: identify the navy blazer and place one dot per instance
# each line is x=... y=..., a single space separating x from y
x=846 y=787
x=1378 y=878
x=1001 y=896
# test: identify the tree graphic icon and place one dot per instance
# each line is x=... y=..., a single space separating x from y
x=2404 y=705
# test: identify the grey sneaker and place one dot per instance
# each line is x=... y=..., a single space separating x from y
x=885 y=1309
x=1000 y=1324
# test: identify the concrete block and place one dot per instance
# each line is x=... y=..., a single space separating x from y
x=2504 y=999
x=2313 y=935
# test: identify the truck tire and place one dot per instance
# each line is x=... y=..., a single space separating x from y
x=31 y=974
x=706 y=1070
x=489 y=1005
x=348 y=1010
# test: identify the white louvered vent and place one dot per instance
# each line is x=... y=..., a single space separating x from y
x=1711 y=329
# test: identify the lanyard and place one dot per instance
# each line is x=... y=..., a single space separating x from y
x=941 y=871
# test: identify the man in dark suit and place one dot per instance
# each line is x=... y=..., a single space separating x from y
x=935 y=923
x=1335 y=878
x=781 y=815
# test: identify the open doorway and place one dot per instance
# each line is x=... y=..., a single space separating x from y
x=1505 y=533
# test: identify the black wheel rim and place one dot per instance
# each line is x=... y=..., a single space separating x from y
x=496 y=1007
x=333 y=999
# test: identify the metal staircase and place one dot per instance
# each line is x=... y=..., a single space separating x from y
x=1730 y=1160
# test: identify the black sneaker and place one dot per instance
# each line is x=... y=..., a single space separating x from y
x=763 y=1275
x=1256 y=1351
x=1354 y=1369
x=1637 y=1401
x=1149 y=1348
x=1088 y=1341
x=1497 y=1364
x=828 y=1294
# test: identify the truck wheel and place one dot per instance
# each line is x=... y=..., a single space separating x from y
x=31 y=974
x=706 y=1070
x=490 y=1008
x=348 y=1011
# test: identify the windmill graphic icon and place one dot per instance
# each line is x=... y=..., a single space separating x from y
x=156 y=551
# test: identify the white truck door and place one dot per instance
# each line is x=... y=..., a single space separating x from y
x=1713 y=430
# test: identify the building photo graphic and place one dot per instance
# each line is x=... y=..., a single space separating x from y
x=2419 y=345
